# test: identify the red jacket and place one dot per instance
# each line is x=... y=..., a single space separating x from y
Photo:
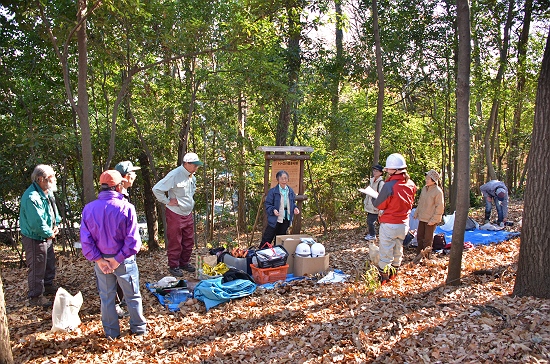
x=396 y=199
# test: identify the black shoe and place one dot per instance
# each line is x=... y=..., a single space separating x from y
x=176 y=272
x=188 y=267
x=50 y=289
x=40 y=301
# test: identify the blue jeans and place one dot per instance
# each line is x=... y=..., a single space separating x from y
x=127 y=276
x=489 y=207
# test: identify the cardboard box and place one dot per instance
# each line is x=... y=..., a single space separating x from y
x=303 y=266
x=279 y=239
x=290 y=242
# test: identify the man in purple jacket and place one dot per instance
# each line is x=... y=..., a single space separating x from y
x=110 y=238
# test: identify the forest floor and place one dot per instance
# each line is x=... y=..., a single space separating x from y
x=414 y=319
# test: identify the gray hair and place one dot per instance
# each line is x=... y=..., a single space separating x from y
x=41 y=170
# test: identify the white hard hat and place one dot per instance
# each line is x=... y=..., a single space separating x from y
x=395 y=161
x=317 y=250
x=303 y=250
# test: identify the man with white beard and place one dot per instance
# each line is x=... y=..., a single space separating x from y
x=38 y=219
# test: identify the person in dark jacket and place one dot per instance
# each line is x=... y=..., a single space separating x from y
x=280 y=208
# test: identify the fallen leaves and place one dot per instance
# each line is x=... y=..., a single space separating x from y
x=415 y=319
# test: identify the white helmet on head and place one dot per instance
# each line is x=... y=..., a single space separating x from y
x=395 y=161
x=303 y=250
x=317 y=250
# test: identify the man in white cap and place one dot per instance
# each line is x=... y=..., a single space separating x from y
x=180 y=185
x=495 y=191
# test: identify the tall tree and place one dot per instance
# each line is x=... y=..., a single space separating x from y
x=381 y=82
x=513 y=154
x=463 y=140
x=492 y=126
x=293 y=62
x=533 y=276
x=81 y=106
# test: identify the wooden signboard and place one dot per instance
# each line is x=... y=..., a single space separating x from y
x=292 y=167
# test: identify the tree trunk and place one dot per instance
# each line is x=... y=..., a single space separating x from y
x=293 y=65
x=241 y=170
x=497 y=84
x=335 y=120
x=533 y=275
x=5 y=345
x=149 y=203
x=514 y=153
x=381 y=83
x=463 y=142
x=82 y=108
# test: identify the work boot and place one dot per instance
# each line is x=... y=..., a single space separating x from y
x=188 y=267
x=383 y=277
x=39 y=301
x=393 y=272
x=50 y=289
x=176 y=272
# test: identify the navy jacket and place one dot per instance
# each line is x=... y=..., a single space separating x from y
x=273 y=201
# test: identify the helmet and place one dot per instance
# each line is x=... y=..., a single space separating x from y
x=395 y=161
x=317 y=250
x=303 y=250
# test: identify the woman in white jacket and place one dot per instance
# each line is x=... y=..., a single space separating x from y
x=376 y=183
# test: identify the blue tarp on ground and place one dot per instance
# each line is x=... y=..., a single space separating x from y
x=164 y=300
x=480 y=237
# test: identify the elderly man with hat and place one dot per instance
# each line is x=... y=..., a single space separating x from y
x=110 y=238
x=429 y=211
x=176 y=191
x=39 y=220
x=127 y=171
x=376 y=183
x=495 y=192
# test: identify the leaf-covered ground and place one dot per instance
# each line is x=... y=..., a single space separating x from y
x=415 y=319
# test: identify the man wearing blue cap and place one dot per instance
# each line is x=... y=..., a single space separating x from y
x=495 y=192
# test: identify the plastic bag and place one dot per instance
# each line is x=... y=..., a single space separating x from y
x=65 y=311
x=449 y=222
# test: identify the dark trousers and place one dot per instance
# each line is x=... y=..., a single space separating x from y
x=424 y=235
x=371 y=219
x=180 y=233
x=40 y=260
x=271 y=232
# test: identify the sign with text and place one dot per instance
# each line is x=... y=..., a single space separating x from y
x=293 y=170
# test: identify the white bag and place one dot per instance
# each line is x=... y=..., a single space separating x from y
x=65 y=311
x=449 y=222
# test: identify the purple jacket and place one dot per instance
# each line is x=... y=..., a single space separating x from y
x=109 y=228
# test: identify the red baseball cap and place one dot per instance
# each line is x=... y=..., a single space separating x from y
x=111 y=178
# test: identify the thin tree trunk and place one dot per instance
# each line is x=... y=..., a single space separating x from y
x=293 y=56
x=149 y=203
x=533 y=275
x=513 y=154
x=381 y=83
x=241 y=170
x=463 y=141
x=497 y=84
x=6 y=356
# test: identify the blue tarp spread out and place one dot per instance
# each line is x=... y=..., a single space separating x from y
x=480 y=237
x=162 y=299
